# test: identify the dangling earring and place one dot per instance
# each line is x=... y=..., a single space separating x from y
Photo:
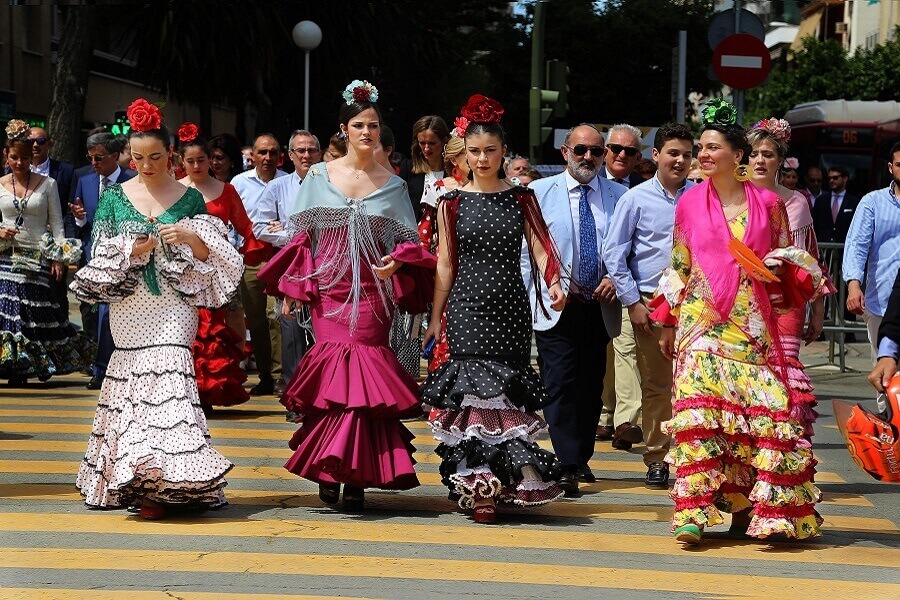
x=501 y=174
x=742 y=173
x=132 y=165
x=169 y=165
x=455 y=174
x=471 y=175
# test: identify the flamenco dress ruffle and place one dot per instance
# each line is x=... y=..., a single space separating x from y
x=486 y=425
x=33 y=340
x=217 y=357
x=349 y=387
x=150 y=437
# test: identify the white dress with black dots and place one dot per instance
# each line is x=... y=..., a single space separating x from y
x=150 y=437
x=488 y=391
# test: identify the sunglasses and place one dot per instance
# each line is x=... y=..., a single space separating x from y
x=39 y=141
x=615 y=149
x=96 y=157
x=581 y=150
x=835 y=177
x=695 y=179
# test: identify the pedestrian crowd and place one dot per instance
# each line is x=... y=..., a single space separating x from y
x=668 y=300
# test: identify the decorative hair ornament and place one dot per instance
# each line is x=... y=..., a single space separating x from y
x=360 y=91
x=481 y=109
x=459 y=129
x=16 y=129
x=188 y=132
x=718 y=112
x=143 y=115
x=791 y=162
x=778 y=128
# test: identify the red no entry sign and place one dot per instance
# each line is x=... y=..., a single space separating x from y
x=741 y=61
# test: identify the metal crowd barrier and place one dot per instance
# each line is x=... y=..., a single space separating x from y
x=836 y=328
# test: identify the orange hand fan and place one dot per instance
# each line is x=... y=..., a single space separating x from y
x=751 y=263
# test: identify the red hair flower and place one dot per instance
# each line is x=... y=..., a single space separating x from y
x=481 y=109
x=188 y=132
x=144 y=115
x=460 y=126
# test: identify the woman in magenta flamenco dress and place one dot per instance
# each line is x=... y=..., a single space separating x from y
x=354 y=259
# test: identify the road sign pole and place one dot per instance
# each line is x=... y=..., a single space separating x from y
x=681 y=97
x=738 y=95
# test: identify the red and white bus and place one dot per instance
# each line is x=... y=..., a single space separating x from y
x=854 y=133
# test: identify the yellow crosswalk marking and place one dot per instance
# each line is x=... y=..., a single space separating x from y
x=382 y=567
x=46 y=593
x=409 y=502
x=513 y=537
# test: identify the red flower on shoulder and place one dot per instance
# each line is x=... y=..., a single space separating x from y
x=188 y=132
x=143 y=115
x=481 y=109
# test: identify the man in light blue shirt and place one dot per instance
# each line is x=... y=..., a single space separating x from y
x=889 y=341
x=270 y=225
x=872 y=252
x=265 y=332
x=636 y=250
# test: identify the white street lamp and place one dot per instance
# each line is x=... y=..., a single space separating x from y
x=307 y=36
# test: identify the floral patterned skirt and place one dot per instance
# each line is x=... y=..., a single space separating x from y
x=737 y=445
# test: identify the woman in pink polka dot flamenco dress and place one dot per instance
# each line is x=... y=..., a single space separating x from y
x=354 y=259
x=157 y=258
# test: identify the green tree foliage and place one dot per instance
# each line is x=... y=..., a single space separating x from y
x=823 y=70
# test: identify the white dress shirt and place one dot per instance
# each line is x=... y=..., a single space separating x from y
x=250 y=188
x=43 y=168
x=274 y=205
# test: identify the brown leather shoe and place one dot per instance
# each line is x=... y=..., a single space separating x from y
x=604 y=433
x=280 y=386
x=627 y=435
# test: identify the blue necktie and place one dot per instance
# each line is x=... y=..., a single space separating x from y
x=588 y=265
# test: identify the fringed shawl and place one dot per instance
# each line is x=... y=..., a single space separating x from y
x=357 y=232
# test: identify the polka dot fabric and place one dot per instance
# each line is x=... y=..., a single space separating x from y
x=149 y=436
x=487 y=390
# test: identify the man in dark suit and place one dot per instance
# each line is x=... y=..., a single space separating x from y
x=833 y=210
x=577 y=205
x=103 y=154
x=888 y=341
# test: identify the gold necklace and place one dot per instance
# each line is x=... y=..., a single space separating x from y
x=737 y=200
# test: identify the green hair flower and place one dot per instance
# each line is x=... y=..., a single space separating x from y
x=719 y=112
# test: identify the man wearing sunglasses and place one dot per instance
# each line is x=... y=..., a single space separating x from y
x=622 y=386
x=577 y=205
x=623 y=151
x=103 y=155
x=834 y=208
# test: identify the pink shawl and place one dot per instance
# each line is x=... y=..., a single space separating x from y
x=702 y=222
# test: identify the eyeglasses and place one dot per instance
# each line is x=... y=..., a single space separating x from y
x=615 y=149
x=309 y=150
x=39 y=141
x=96 y=157
x=832 y=177
x=581 y=149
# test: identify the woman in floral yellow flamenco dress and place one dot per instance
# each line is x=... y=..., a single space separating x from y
x=737 y=448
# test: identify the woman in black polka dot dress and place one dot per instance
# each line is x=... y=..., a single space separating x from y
x=488 y=392
x=157 y=256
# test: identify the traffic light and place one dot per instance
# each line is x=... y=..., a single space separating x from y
x=546 y=104
x=121 y=124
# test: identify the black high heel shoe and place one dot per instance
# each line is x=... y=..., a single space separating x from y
x=354 y=498
x=329 y=493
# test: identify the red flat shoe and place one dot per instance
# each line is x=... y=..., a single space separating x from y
x=153 y=512
x=485 y=514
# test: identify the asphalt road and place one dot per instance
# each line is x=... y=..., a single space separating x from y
x=276 y=539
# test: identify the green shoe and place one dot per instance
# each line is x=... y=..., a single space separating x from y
x=689 y=534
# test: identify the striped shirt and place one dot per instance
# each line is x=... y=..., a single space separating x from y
x=872 y=251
